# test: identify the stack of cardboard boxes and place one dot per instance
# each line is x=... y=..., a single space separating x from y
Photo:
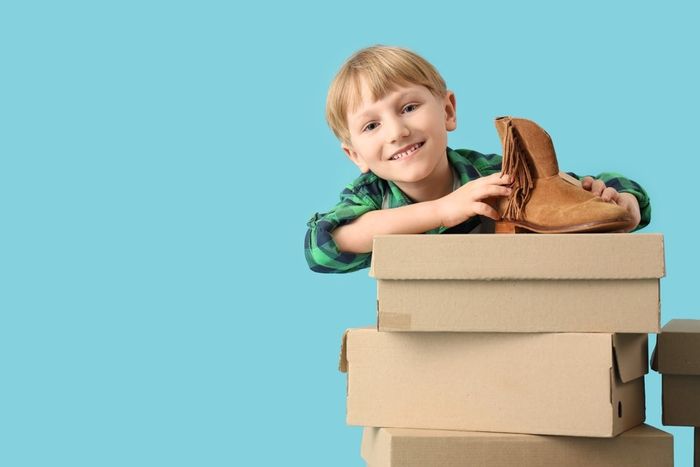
x=505 y=338
x=677 y=358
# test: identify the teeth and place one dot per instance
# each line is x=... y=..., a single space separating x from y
x=405 y=153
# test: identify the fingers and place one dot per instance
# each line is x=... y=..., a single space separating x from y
x=484 y=209
x=609 y=194
x=486 y=187
x=597 y=187
x=491 y=185
x=488 y=191
x=499 y=178
x=593 y=185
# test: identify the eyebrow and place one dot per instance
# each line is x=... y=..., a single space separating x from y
x=399 y=97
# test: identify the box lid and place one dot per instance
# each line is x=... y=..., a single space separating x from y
x=518 y=256
x=677 y=349
x=643 y=445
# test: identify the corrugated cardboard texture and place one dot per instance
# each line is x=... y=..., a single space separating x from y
x=678 y=348
x=539 y=383
x=518 y=256
x=681 y=400
x=519 y=306
x=643 y=446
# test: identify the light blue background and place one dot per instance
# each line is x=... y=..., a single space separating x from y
x=160 y=161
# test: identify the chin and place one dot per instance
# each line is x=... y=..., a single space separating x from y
x=411 y=178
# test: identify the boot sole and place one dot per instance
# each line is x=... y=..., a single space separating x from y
x=591 y=227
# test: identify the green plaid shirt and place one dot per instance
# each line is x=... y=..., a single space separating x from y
x=369 y=192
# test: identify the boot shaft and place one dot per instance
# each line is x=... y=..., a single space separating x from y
x=532 y=141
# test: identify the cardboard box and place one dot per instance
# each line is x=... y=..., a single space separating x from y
x=539 y=383
x=678 y=347
x=680 y=400
x=518 y=283
x=643 y=446
x=677 y=358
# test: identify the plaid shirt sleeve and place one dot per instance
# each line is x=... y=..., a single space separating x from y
x=485 y=164
x=320 y=249
x=625 y=185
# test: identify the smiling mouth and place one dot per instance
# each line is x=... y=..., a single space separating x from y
x=407 y=152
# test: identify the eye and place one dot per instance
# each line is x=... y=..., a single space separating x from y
x=410 y=107
x=370 y=126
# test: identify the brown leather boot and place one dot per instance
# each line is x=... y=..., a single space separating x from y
x=541 y=200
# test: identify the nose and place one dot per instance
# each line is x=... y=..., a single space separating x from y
x=396 y=129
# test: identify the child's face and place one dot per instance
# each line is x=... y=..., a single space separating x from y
x=408 y=116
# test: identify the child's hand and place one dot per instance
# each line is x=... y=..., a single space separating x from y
x=626 y=200
x=467 y=200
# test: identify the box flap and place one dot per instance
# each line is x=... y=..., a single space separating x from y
x=630 y=352
x=654 y=359
x=518 y=256
x=343 y=364
x=678 y=347
x=376 y=446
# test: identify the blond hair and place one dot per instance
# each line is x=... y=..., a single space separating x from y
x=383 y=68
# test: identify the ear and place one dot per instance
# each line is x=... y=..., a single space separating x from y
x=450 y=104
x=355 y=157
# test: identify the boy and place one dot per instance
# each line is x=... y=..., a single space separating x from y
x=391 y=110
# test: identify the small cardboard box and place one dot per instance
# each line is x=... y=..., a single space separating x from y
x=518 y=283
x=571 y=384
x=677 y=358
x=680 y=400
x=642 y=446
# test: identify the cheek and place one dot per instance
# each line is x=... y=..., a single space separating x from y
x=435 y=122
x=373 y=144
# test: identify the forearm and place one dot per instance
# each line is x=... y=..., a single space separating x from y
x=357 y=236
